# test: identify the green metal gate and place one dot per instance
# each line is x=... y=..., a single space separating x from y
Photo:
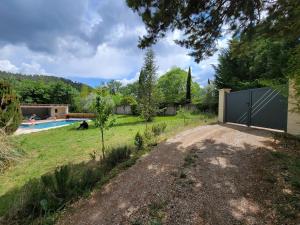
x=261 y=107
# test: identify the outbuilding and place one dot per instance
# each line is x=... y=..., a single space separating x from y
x=44 y=111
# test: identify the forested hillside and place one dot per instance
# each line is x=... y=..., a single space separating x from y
x=16 y=77
x=47 y=89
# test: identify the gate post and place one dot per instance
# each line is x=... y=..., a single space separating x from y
x=293 y=118
x=222 y=104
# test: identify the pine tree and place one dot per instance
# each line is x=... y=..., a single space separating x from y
x=188 y=87
x=10 y=113
x=146 y=95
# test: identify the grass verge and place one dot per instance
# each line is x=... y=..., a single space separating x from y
x=49 y=150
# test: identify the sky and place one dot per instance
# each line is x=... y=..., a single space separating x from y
x=86 y=41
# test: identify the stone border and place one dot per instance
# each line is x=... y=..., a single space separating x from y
x=20 y=131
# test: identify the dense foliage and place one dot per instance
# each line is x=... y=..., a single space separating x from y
x=173 y=87
x=130 y=89
x=201 y=21
x=10 y=113
x=47 y=89
x=248 y=64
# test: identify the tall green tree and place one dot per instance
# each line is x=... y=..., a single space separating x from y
x=252 y=63
x=114 y=86
x=172 y=86
x=147 y=102
x=188 y=97
x=104 y=107
x=10 y=112
x=130 y=89
x=209 y=98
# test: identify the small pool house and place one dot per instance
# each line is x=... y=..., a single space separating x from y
x=44 y=111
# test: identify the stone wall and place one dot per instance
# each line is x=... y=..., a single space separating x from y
x=123 y=110
x=167 y=111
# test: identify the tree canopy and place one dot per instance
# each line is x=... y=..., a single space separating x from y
x=172 y=86
x=248 y=64
x=10 y=112
x=201 y=21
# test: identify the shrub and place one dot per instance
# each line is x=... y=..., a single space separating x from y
x=183 y=114
x=116 y=156
x=139 y=141
x=60 y=184
x=149 y=138
x=158 y=129
x=10 y=112
x=134 y=109
x=89 y=178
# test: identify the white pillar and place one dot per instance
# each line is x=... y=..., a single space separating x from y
x=293 y=118
x=222 y=106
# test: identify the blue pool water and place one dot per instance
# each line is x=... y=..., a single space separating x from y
x=49 y=124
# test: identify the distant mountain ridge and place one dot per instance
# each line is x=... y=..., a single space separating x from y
x=10 y=77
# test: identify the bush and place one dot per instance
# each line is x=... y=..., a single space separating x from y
x=89 y=178
x=60 y=184
x=134 y=109
x=139 y=141
x=149 y=138
x=116 y=156
x=158 y=129
x=10 y=112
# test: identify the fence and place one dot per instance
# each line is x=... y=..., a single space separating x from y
x=80 y=115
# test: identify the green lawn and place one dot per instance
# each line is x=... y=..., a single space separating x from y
x=46 y=150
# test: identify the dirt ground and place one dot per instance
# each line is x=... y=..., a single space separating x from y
x=209 y=175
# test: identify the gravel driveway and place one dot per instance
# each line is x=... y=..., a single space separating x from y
x=206 y=175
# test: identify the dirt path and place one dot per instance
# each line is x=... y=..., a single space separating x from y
x=208 y=175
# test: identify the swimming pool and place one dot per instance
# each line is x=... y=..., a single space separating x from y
x=49 y=124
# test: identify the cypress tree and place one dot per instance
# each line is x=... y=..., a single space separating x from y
x=188 y=87
x=10 y=112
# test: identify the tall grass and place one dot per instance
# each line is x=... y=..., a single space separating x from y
x=9 y=152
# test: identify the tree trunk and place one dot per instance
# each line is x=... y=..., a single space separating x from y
x=102 y=140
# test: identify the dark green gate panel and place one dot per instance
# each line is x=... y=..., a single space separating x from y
x=269 y=109
x=261 y=107
x=237 y=107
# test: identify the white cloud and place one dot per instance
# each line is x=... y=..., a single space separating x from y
x=6 y=65
x=32 y=68
x=99 y=41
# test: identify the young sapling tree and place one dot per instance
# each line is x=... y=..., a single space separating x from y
x=104 y=107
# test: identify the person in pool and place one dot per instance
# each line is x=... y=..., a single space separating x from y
x=32 y=119
x=84 y=125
